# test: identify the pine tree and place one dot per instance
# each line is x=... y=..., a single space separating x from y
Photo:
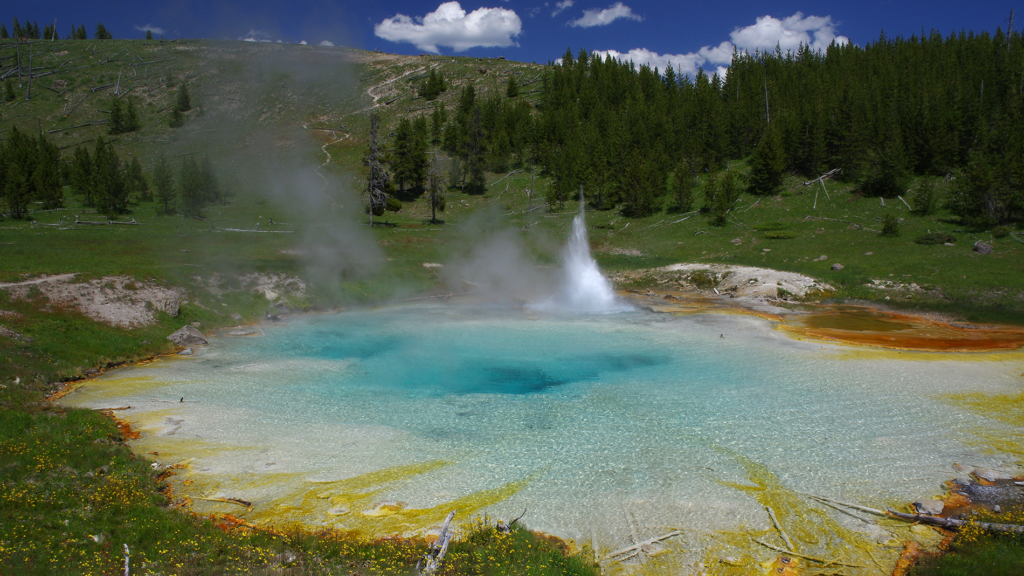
x=102 y=33
x=131 y=117
x=512 y=89
x=683 y=185
x=136 y=180
x=924 y=199
x=475 y=155
x=46 y=179
x=116 y=123
x=435 y=188
x=17 y=191
x=149 y=34
x=19 y=33
x=190 y=182
x=110 y=191
x=211 y=191
x=184 y=101
x=768 y=165
x=163 y=181
x=4 y=35
x=81 y=34
x=177 y=119
x=82 y=170
x=9 y=94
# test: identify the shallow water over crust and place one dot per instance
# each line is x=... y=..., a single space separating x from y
x=608 y=429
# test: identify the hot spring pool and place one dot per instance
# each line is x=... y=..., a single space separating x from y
x=607 y=429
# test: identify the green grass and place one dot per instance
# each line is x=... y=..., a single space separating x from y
x=994 y=556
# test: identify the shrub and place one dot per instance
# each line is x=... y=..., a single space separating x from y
x=1001 y=232
x=769 y=226
x=935 y=238
x=781 y=234
x=703 y=279
x=890 y=226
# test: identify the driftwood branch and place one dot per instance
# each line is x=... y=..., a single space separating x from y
x=953 y=523
x=785 y=537
x=507 y=528
x=438 y=549
x=806 y=557
x=635 y=548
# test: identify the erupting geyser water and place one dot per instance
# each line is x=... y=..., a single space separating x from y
x=584 y=288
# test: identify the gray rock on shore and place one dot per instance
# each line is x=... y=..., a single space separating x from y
x=188 y=336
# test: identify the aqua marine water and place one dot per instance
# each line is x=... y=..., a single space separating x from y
x=609 y=428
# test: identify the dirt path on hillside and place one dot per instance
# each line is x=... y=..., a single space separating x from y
x=40 y=280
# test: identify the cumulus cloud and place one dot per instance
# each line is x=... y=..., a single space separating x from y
x=767 y=32
x=561 y=6
x=150 y=28
x=303 y=43
x=326 y=43
x=254 y=35
x=597 y=17
x=450 y=25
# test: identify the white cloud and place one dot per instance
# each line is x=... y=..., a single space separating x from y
x=326 y=43
x=561 y=6
x=303 y=42
x=604 y=17
x=150 y=28
x=682 y=63
x=254 y=35
x=450 y=25
x=789 y=33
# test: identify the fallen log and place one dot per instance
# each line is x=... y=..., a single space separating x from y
x=954 y=523
x=637 y=547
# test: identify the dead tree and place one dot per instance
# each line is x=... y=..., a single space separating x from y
x=432 y=560
x=377 y=182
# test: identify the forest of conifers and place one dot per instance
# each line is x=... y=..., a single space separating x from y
x=641 y=140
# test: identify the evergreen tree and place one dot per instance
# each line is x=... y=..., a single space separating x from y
x=437 y=121
x=17 y=191
x=177 y=119
x=4 y=34
x=46 y=178
x=82 y=170
x=33 y=32
x=924 y=199
x=131 y=116
x=137 y=183
x=768 y=165
x=512 y=89
x=211 y=191
x=80 y=33
x=684 y=183
x=110 y=191
x=16 y=29
x=475 y=155
x=163 y=181
x=9 y=90
x=102 y=33
x=433 y=86
x=116 y=124
x=435 y=188
x=149 y=34
x=184 y=101
x=190 y=183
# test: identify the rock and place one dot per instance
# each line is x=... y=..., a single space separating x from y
x=146 y=342
x=837 y=267
x=195 y=324
x=868 y=253
x=991 y=475
x=982 y=248
x=243 y=332
x=186 y=352
x=997 y=509
x=932 y=507
x=732 y=560
x=188 y=336
x=171 y=306
x=821 y=258
x=91 y=371
x=236 y=316
x=948 y=244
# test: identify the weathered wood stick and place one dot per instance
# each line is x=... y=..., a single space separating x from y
x=785 y=537
x=642 y=544
x=955 y=523
x=806 y=557
x=905 y=203
x=874 y=511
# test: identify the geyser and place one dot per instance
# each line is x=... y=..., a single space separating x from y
x=583 y=289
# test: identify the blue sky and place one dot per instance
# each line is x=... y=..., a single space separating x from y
x=685 y=34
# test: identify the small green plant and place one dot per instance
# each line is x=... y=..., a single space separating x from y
x=9 y=91
x=935 y=238
x=770 y=226
x=890 y=226
x=924 y=198
x=703 y=279
x=1000 y=232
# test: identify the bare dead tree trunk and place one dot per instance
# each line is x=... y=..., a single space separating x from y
x=28 y=94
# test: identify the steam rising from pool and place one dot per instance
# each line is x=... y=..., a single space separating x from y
x=584 y=290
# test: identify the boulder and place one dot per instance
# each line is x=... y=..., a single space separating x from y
x=991 y=475
x=932 y=507
x=982 y=248
x=186 y=352
x=837 y=267
x=188 y=336
x=236 y=316
x=821 y=258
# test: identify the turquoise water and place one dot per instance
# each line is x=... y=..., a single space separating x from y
x=622 y=426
